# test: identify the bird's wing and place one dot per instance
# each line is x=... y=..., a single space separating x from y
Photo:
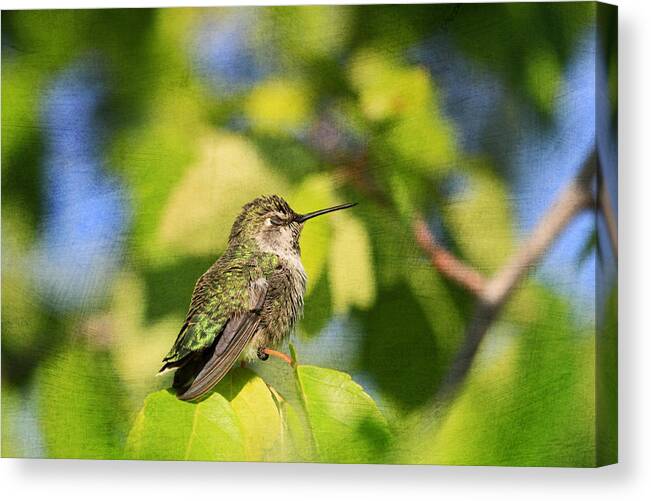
x=239 y=330
x=207 y=316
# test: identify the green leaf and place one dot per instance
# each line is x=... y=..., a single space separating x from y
x=405 y=100
x=480 y=218
x=167 y=428
x=246 y=420
x=315 y=193
x=352 y=278
x=239 y=421
x=203 y=204
x=256 y=411
x=279 y=106
x=318 y=310
x=296 y=441
x=345 y=422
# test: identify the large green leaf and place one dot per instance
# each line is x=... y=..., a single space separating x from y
x=239 y=421
x=296 y=441
x=345 y=422
x=256 y=411
x=167 y=428
x=246 y=420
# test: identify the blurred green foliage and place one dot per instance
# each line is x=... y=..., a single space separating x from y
x=338 y=112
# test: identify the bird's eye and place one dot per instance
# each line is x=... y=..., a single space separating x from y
x=276 y=220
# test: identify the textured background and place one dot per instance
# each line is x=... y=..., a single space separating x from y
x=131 y=138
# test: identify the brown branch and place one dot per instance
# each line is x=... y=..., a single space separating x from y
x=446 y=262
x=355 y=174
x=573 y=199
x=492 y=294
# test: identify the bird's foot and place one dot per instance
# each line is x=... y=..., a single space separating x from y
x=265 y=353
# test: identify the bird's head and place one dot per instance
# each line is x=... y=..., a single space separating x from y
x=273 y=224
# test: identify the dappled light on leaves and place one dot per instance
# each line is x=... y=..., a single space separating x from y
x=448 y=125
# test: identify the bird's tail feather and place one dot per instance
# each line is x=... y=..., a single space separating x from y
x=186 y=374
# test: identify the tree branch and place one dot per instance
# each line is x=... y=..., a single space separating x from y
x=573 y=199
x=354 y=173
x=493 y=294
x=446 y=262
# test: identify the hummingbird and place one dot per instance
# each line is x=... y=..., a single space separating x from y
x=247 y=302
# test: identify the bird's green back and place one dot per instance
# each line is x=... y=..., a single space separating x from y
x=220 y=293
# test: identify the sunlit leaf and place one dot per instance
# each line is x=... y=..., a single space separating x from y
x=296 y=442
x=167 y=428
x=256 y=411
x=279 y=106
x=239 y=421
x=387 y=90
x=313 y=194
x=200 y=212
x=479 y=217
x=352 y=278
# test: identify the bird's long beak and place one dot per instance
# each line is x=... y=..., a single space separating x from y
x=301 y=218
